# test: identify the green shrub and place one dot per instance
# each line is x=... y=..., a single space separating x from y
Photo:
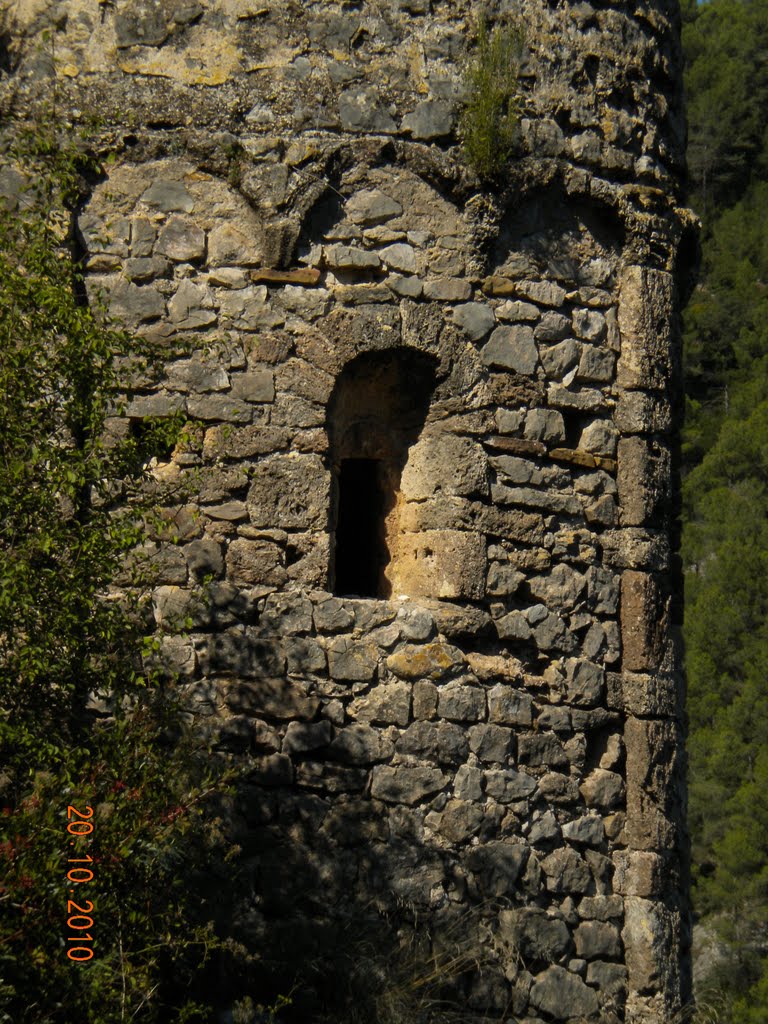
x=85 y=721
x=490 y=120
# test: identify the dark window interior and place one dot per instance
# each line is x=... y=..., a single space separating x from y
x=376 y=412
x=361 y=553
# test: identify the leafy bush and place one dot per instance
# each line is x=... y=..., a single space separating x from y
x=84 y=720
x=490 y=119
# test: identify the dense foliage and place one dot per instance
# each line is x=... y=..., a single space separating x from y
x=85 y=721
x=725 y=541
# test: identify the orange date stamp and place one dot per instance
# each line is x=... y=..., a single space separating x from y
x=79 y=919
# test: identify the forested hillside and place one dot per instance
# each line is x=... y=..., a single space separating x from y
x=725 y=539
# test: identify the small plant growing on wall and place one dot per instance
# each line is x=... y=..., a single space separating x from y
x=490 y=119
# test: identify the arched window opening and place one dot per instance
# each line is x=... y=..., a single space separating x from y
x=376 y=412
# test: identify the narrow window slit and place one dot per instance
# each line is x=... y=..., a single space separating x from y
x=375 y=414
x=361 y=551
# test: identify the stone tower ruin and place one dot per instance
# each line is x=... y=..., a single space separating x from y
x=432 y=487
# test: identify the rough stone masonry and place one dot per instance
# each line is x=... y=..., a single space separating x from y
x=425 y=526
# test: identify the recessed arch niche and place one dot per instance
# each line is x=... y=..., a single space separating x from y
x=376 y=413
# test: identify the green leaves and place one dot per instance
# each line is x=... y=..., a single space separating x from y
x=490 y=118
x=725 y=538
x=727 y=85
x=72 y=662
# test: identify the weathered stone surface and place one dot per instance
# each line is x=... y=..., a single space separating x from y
x=474 y=318
x=448 y=289
x=585 y=682
x=596 y=364
x=406 y=785
x=603 y=789
x=230 y=244
x=543 y=749
x=649 y=935
x=441 y=742
x=277 y=698
x=429 y=120
x=351 y=660
x=558 y=360
x=301 y=737
x=191 y=306
x=168 y=197
x=252 y=562
x=608 y=978
x=596 y=939
x=640 y=873
x=559 y=589
x=634 y=548
x=644 y=621
x=638 y=412
x=511 y=348
x=181 y=240
x=447 y=464
x=654 y=780
x=305 y=656
x=344 y=257
x=589 y=324
x=557 y=988
x=308 y=276
x=599 y=438
x=361 y=744
x=552 y=327
x=468 y=783
x=491 y=743
x=441 y=563
x=359 y=111
x=497 y=866
x=644 y=481
x=509 y=707
x=601 y=908
x=459 y=703
x=204 y=558
x=134 y=304
x=645 y=305
x=371 y=206
x=544 y=425
x=431 y=661
x=399 y=257
x=533 y=935
x=289 y=492
x=588 y=831
x=509 y=786
x=547 y=293
x=458 y=822
x=566 y=872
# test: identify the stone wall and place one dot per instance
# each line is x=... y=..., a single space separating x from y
x=491 y=738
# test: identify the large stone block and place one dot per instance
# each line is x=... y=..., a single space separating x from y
x=556 y=989
x=406 y=785
x=441 y=742
x=660 y=695
x=644 y=622
x=646 y=311
x=655 y=801
x=290 y=492
x=439 y=563
x=644 y=482
x=652 y=936
x=496 y=866
x=445 y=463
